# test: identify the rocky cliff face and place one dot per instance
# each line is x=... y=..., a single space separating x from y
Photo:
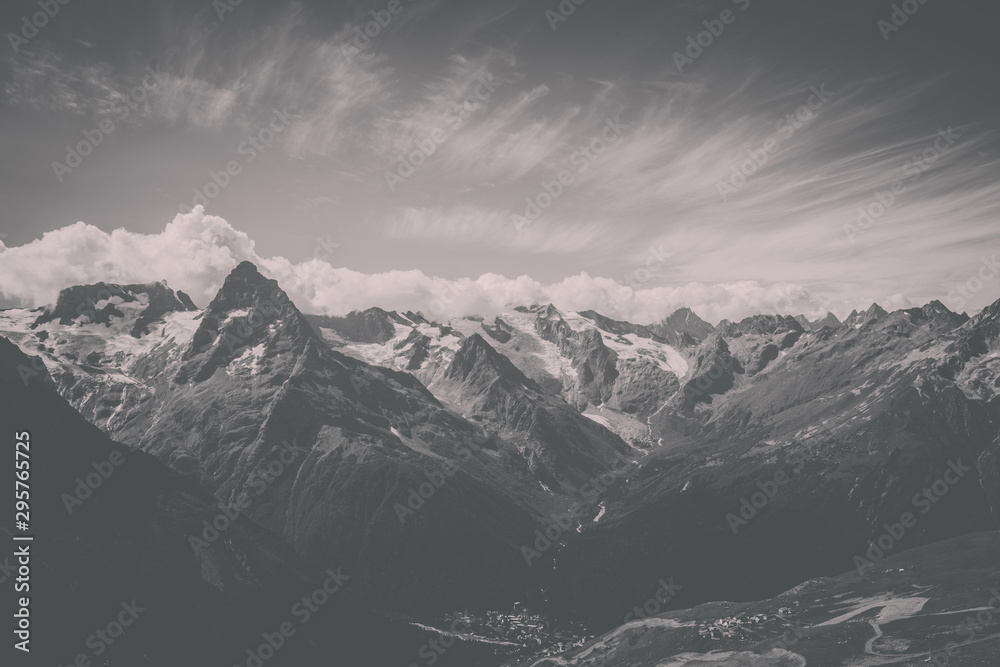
x=683 y=328
x=593 y=362
x=99 y=304
x=564 y=446
x=370 y=326
x=829 y=320
x=584 y=358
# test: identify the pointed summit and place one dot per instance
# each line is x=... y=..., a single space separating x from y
x=876 y=311
x=476 y=361
x=249 y=311
x=549 y=312
x=991 y=312
x=683 y=328
x=244 y=288
x=416 y=318
x=857 y=320
x=564 y=445
x=935 y=311
x=829 y=321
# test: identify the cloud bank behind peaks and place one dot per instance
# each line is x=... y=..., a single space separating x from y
x=195 y=252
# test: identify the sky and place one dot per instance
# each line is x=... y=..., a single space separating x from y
x=732 y=156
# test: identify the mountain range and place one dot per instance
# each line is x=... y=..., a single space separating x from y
x=561 y=460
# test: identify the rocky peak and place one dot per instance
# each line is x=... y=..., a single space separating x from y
x=476 y=360
x=683 y=328
x=829 y=320
x=619 y=327
x=550 y=324
x=245 y=287
x=367 y=326
x=500 y=331
x=98 y=304
x=857 y=320
x=761 y=325
x=549 y=312
x=416 y=318
x=990 y=313
x=249 y=310
x=713 y=371
x=937 y=313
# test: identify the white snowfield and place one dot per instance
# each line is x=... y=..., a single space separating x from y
x=632 y=346
x=534 y=356
x=72 y=344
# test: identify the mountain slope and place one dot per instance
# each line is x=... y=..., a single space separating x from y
x=118 y=545
x=223 y=394
x=564 y=446
x=683 y=328
x=857 y=420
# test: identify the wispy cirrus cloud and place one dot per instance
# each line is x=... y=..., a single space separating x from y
x=357 y=114
x=469 y=226
x=210 y=85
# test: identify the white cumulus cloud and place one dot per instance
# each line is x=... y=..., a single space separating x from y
x=195 y=252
